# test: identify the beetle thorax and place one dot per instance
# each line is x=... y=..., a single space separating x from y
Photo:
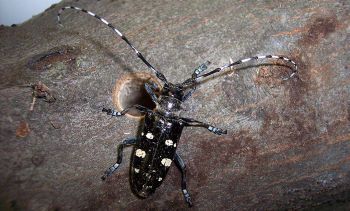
x=169 y=105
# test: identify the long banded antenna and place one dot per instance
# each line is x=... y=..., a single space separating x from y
x=156 y=72
x=216 y=70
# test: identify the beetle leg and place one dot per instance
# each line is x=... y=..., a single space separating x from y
x=189 y=93
x=149 y=88
x=114 y=167
x=113 y=112
x=195 y=123
x=192 y=81
x=153 y=85
x=182 y=167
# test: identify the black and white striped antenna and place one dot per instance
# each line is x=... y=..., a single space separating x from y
x=156 y=72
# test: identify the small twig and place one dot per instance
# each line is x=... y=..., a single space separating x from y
x=40 y=90
x=32 y=104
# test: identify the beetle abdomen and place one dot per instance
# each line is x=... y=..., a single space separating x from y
x=149 y=173
x=153 y=154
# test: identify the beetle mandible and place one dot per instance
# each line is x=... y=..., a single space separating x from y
x=155 y=149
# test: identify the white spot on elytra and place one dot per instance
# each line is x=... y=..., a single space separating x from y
x=142 y=134
x=166 y=162
x=140 y=153
x=175 y=145
x=149 y=135
x=160 y=179
x=137 y=170
x=168 y=142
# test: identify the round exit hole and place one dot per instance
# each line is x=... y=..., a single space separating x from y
x=130 y=90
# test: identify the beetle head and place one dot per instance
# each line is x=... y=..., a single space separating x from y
x=170 y=98
x=173 y=90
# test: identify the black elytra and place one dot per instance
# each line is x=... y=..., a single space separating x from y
x=155 y=148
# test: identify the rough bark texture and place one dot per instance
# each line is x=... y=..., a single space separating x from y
x=288 y=144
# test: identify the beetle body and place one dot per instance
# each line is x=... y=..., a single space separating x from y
x=155 y=149
x=154 y=153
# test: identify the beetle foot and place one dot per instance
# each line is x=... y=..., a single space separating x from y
x=221 y=132
x=187 y=197
x=108 y=111
x=217 y=131
x=111 y=112
x=104 y=177
x=189 y=201
x=110 y=171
